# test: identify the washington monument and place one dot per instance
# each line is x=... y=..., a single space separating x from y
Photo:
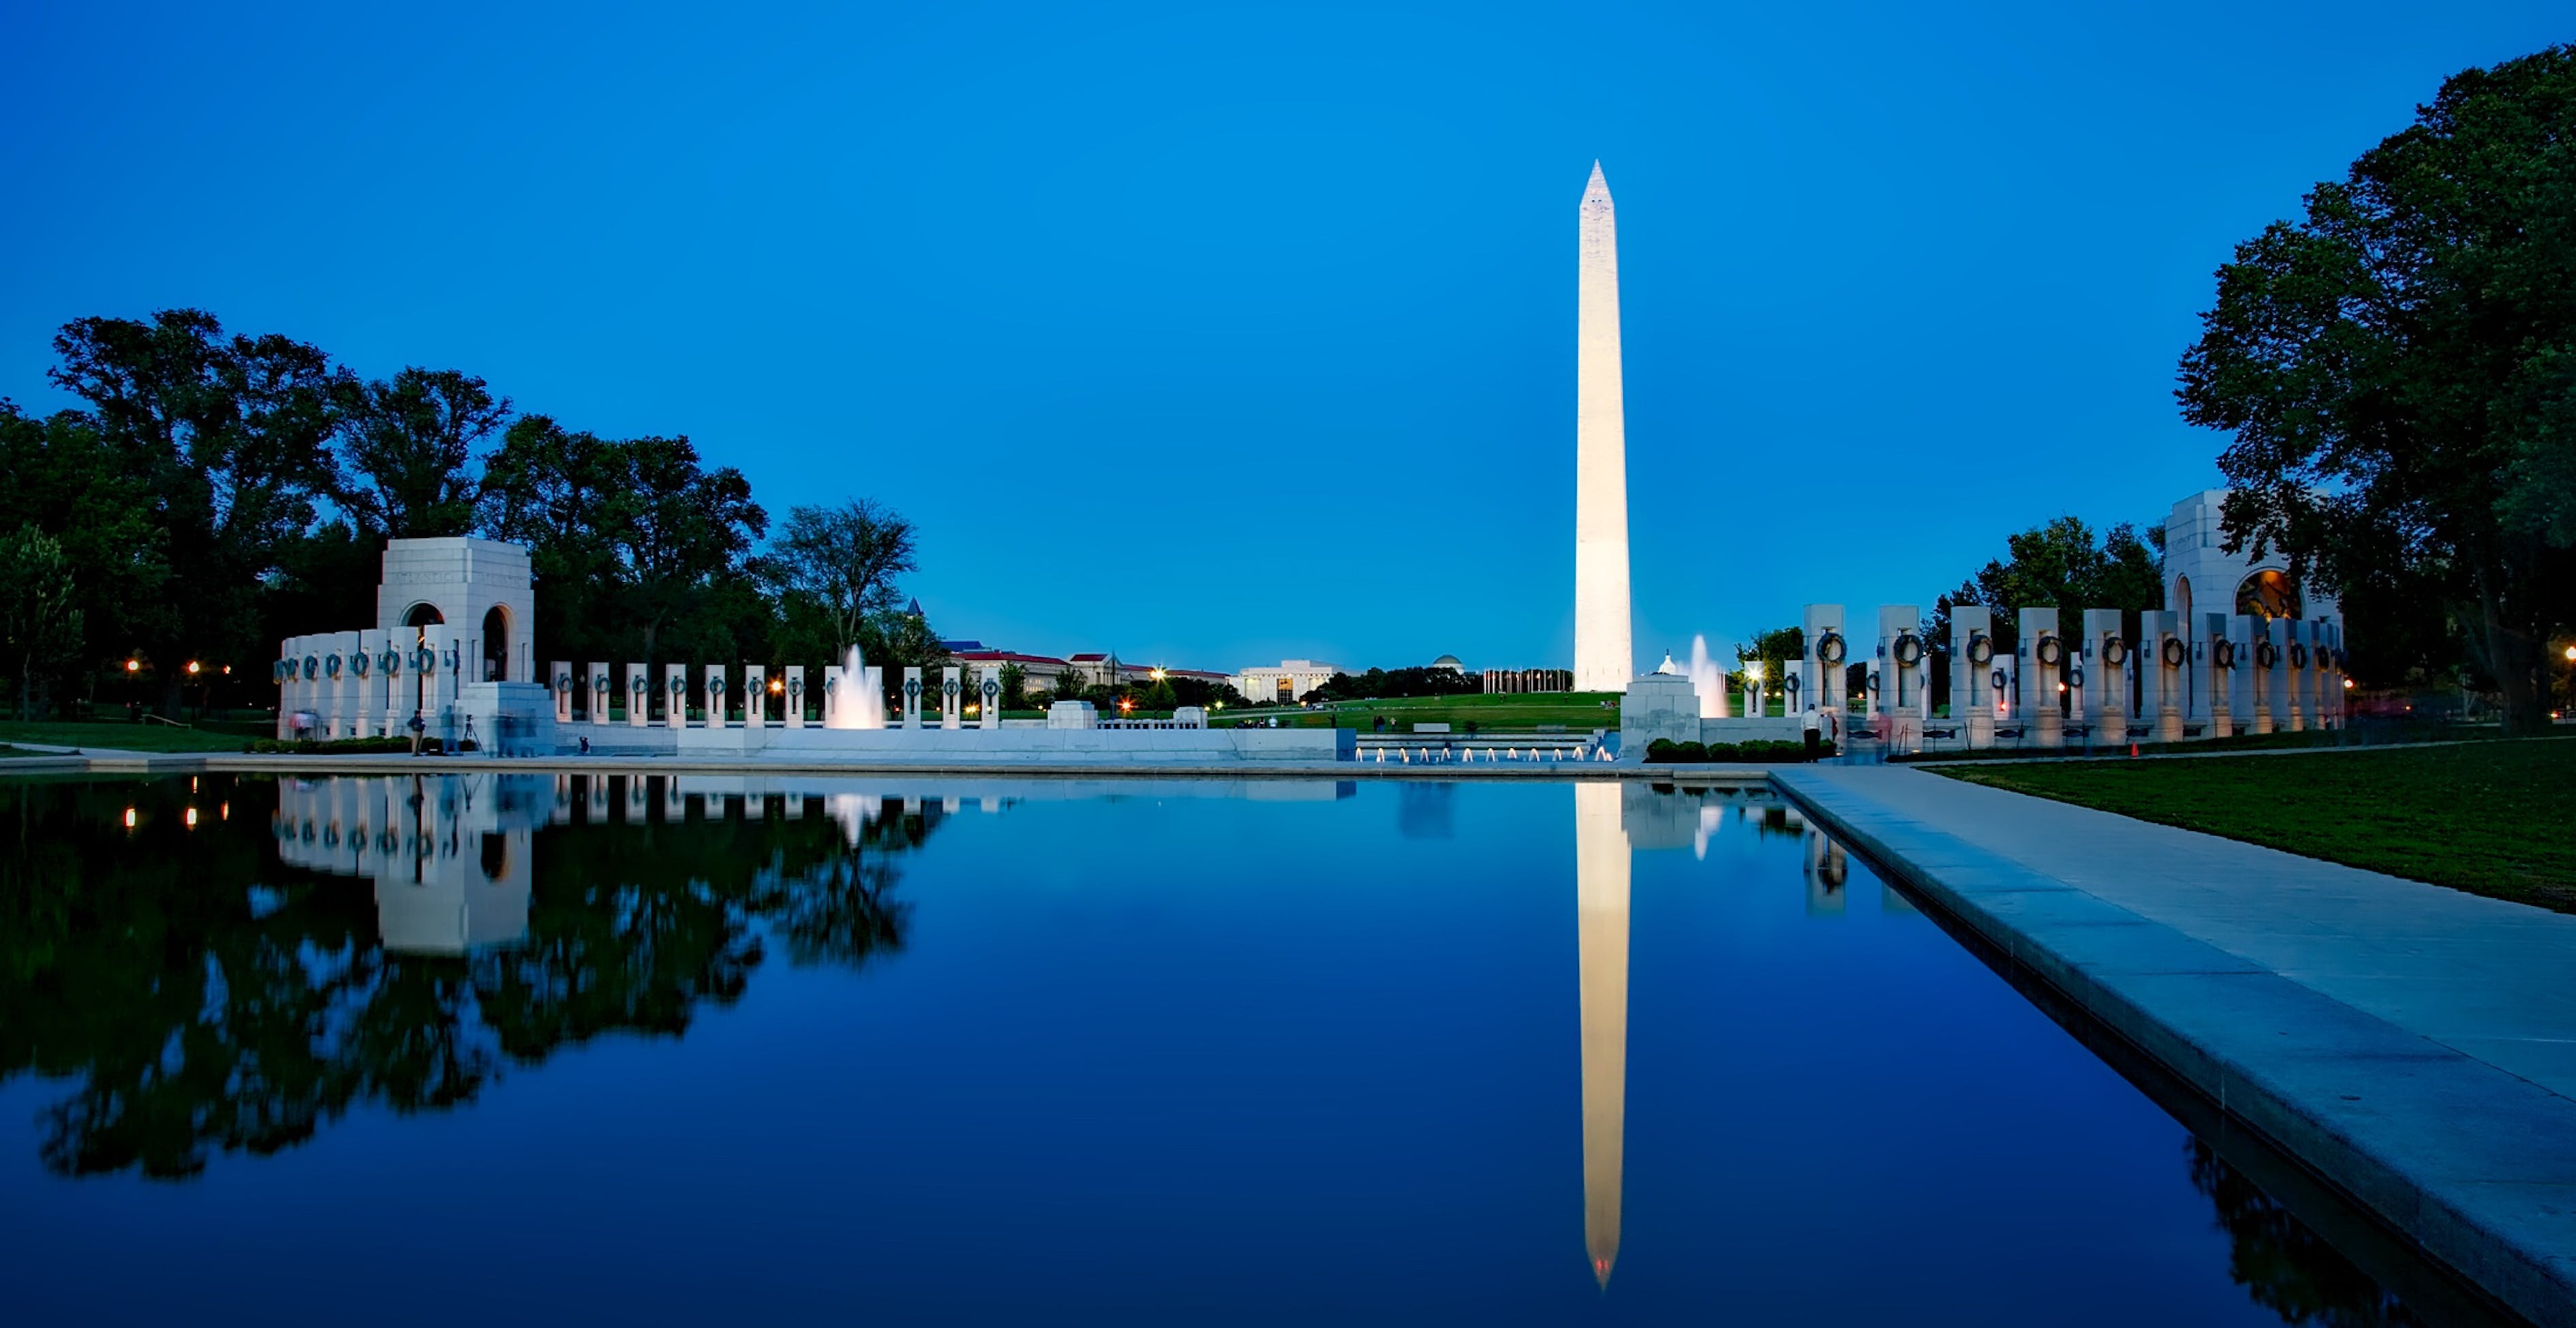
x=1603 y=659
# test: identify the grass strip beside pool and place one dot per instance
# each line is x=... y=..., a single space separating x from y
x=2495 y=818
x=122 y=735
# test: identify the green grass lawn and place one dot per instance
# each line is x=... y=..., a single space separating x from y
x=129 y=736
x=1501 y=712
x=2496 y=818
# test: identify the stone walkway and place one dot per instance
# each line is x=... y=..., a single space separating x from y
x=2413 y=1044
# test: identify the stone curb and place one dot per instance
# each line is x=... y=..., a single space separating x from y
x=2474 y=1165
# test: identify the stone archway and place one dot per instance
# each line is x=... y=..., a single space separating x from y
x=496 y=645
x=420 y=618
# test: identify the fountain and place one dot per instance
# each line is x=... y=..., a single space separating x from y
x=1708 y=680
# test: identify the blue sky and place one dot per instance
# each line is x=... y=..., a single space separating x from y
x=1213 y=335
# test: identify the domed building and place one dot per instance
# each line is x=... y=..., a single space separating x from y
x=1451 y=663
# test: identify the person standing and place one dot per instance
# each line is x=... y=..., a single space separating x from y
x=417 y=728
x=1815 y=732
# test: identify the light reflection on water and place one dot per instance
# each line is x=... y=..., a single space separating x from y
x=1262 y=1027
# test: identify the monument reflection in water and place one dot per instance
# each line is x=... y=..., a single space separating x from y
x=1261 y=1029
x=450 y=857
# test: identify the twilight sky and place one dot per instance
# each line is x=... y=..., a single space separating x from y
x=1212 y=334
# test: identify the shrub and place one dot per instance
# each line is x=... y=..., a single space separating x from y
x=1665 y=750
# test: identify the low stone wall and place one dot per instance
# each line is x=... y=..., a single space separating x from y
x=1037 y=746
x=1767 y=728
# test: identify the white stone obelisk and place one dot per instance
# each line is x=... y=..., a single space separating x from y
x=1603 y=658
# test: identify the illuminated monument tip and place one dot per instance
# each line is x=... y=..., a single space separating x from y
x=1603 y=661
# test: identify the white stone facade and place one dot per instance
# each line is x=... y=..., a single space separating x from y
x=454 y=643
x=1604 y=656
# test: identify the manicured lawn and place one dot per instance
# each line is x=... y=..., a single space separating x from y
x=2496 y=818
x=1514 y=712
x=123 y=734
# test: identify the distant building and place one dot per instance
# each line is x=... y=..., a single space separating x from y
x=1292 y=679
x=1451 y=663
x=1041 y=670
x=1097 y=668
x=1529 y=680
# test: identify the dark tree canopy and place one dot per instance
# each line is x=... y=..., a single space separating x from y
x=232 y=436
x=842 y=561
x=2062 y=565
x=219 y=491
x=411 y=445
x=2398 y=372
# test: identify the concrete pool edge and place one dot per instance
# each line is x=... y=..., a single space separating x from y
x=2473 y=1165
x=234 y=763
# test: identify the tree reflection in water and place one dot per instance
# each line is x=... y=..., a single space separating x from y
x=208 y=998
x=2282 y=1262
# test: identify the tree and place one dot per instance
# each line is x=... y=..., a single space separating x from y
x=2398 y=371
x=38 y=622
x=1069 y=685
x=1015 y=687
x=2059 y=565
x=230 y=434
x=409 y=445
x=65 y=480
x=844 y=559
x=1774 y=649
x=627 y=538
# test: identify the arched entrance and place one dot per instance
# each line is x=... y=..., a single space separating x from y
x=2268 y=594
x=496 y=645
x=420 y=619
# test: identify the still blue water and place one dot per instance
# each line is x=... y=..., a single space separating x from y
x=530 y=1050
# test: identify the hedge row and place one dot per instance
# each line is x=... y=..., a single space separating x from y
x=1667 y=751
x=349 y=746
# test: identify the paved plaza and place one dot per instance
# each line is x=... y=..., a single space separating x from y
x=2415 y=1044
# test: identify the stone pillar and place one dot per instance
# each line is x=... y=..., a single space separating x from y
x=714 y=692
x=389 y=672
x=675 y=696
x=639 y=695
x=2257 y=659
x=1973 y=674
x=952 y=697
x=2331 y=681
x=2164 y=670
x=912 y=697
x=2296 y=710
x=990 y=695
x=795 y=695
x=2218 y=665
x=559 y=678
x=1818 y=680
x=868 y=698
x=755 y=695
x=2039 y=658
x=2106 y=677
x=603 y=693
x=1901 y=657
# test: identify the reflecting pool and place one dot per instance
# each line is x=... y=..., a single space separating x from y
x=611 y=1049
